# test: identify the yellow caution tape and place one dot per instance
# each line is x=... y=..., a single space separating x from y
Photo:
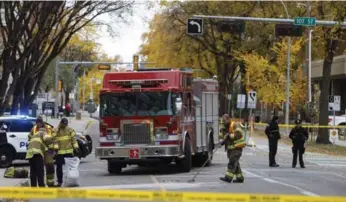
x=303 y=125
x=137 y=195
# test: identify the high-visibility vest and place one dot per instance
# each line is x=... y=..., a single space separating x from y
x=67 y=141
x=36 y=146
x=50 y=139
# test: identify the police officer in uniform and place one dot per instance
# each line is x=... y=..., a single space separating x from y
x=50 y=150
x=298 y=135
x=234 y=142
x=66 y=138
x=273 y=134
x=36 y=148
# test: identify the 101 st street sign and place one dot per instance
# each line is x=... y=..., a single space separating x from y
x=305 y=21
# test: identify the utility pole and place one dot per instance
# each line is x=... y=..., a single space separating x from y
x=83 y=96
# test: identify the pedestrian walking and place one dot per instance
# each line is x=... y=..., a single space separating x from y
x=35 y=154
x=298 y=135
x=66 y=138
x=234 y=141
x=273 y=133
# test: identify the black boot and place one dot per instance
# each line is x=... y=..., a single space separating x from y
x=225 y=179
x=238 y=180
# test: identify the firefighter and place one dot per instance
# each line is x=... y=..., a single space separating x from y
x=234 y=141
x=298 y=135
x=273 y=134
x=50 y=150
x=35 y=154
x=66 y=138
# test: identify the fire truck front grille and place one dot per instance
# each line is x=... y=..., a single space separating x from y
x=138 y=133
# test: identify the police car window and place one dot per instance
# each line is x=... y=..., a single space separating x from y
x=21 y=126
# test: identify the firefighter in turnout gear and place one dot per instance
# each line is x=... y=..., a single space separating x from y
x=298 y=135
x=50 y=150
x=66 y=138
x=38 y=141
x=273 y=133
x=234 y=142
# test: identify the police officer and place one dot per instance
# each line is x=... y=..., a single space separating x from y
x=66 y=138
x=35 y=154
x=234 y=141
x=50 y=150
x=298 y=135
x=273 y=134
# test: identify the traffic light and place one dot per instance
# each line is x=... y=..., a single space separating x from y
x=60 y=86
x=231 y=26
x=104 y=67
x=135 y=62
x=288 y=30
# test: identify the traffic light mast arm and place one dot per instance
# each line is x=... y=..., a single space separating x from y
x=273 y=20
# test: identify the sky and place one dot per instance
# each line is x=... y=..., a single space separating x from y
x=127 y=41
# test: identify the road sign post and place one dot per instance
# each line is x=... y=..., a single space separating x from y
x=195 y=26
x=305 y=21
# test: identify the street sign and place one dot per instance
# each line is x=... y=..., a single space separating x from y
x=334 y=103
x=305 y=21
x=333 y=135
x=229 y=96
x=195 y=26
x=252 y=99
x=241 y=101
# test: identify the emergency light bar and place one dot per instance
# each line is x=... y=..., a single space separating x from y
x=138 y=82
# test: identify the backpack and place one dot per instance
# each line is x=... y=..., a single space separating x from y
x=13 y=172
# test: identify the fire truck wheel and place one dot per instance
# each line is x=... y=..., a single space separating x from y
x=114 y=168
x=185 y=164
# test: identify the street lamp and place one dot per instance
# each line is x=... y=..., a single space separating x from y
x=287 y=117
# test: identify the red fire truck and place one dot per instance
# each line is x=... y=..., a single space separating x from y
x=152 y=116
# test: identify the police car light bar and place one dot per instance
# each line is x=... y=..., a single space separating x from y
x=139 y=82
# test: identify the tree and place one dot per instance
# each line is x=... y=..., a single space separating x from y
x=91 y=79
x=333 y=41
x=268 y=78
x=34 y=33
x=167 y=43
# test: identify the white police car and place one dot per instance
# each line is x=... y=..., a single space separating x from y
x=14 y=131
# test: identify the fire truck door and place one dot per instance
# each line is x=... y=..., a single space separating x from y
x=198 y=123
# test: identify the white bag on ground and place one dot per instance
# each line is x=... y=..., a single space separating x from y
x=72 y=175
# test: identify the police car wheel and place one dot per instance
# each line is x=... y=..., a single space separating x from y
x=6 y=157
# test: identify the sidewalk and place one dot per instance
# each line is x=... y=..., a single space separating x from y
x=77 y=125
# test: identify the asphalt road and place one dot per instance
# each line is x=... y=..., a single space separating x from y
x=323 y=175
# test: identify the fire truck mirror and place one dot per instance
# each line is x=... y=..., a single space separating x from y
x=178 y=105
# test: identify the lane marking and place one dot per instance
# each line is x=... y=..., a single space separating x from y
x=171 y=185
x=303 y=191
x=162 y=188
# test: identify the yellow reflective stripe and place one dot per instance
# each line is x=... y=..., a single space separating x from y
x=229 y=175
x=36 y=151
x=36 y=139
x=67 y=151
x=62 y=138
x=75 y=146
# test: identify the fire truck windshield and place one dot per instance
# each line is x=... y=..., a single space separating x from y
x=136 y=104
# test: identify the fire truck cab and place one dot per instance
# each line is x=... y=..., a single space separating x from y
x=153 y=116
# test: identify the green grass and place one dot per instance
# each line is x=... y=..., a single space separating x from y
x=311 y=146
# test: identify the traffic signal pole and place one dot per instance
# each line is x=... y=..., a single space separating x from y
x=275 y=20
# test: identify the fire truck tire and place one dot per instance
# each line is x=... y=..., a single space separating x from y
x=114 y=168
x=201 y=158
x=185 y=164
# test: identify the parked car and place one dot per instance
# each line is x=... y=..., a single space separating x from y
x=14 y=132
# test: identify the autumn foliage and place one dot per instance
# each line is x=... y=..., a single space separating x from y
x=269 y=78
